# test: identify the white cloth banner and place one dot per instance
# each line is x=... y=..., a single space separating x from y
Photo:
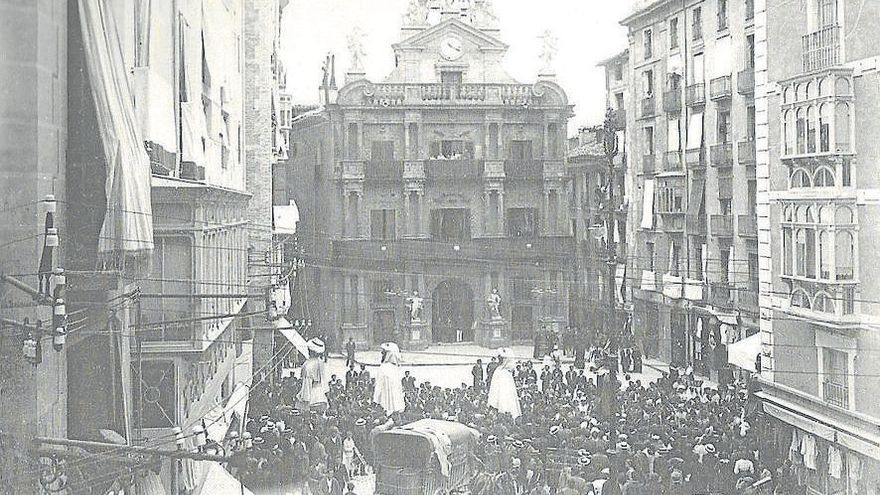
x=699 y=68
x=154 y=103
x=673 y=135
x=745 y=352
x=695 y=131
x=293 y=336
x=648 y=204
x=194 y=130
x=721 y=59
x=128 y=222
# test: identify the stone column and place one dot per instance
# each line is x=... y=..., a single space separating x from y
x=423 y=215
x=546 y=213
x=501 y=228
x=407 y=216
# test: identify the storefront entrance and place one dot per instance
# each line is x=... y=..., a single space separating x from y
x=452 y=314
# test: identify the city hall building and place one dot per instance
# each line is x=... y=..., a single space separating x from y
x=447 y=179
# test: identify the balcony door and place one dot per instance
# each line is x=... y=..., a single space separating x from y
x=452 y=315
x=451 y=224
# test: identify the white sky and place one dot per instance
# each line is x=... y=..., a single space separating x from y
x=588 y=31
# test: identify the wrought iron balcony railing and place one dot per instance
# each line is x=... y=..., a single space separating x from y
x=821 y=49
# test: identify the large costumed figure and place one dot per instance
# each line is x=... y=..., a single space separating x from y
x=313 y=394
x=389 y=386
x=502 y=391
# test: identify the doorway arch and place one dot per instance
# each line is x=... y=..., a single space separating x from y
x=452 y=310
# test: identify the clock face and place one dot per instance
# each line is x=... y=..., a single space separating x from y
x=451 y=49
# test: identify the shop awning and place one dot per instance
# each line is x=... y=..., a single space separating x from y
x=744 y=352
x=218 y=480
x=293 y=336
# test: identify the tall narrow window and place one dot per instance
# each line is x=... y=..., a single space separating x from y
x=353 y=141
x=697 y=24
x=673 y=33
x=845 y=255
x=649 y=256
x=750 y=51
x=827 y=13
x=722 y=15
x=648 y=76
x=553 y=143
x=812 y=124
x=649 y=140
x=724 y=126
x=725 y=265
x=649 y=44
x=787 y=263
x=801 y=131
x=842 y=128
x=750 y=123
x=182 y=87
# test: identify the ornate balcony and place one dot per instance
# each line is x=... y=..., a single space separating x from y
x=694 y=159
x=553 y=169
x=695 y=95
x=745 y=81
x=414 y=170
x=745 y=152
x=722 y=155
x=672 y=161
x=523 y=169
x=720 y=88
x=747 y=225
x=720 y=295
x=648 y=107
x=351 y=170
x=672 y=222
x=821 y=49
x=696 y=224
x=454 y=169
x=384 y=170
x=835 y=394
x=721 y=225
x=672 y=101
x=397 y=94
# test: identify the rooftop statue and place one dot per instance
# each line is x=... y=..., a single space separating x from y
x=356 y=49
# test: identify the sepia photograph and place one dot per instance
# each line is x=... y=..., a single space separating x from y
x=439 y=247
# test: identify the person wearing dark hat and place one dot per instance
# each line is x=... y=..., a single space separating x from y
x=477 y=374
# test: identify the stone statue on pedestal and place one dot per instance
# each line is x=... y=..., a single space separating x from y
x=494 y=304
x=483 y=13
x=416 y=13
x=549 y=49
x=416 y=307
x=356 y=50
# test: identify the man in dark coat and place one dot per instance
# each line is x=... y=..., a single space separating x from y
x=477 y=373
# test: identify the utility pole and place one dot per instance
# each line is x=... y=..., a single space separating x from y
x=610 y=146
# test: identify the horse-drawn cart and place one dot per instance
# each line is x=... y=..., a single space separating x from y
x=424 y=457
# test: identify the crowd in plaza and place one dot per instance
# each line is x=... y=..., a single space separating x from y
x=573 y=430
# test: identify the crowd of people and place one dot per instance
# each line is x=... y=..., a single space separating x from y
x=573 y=430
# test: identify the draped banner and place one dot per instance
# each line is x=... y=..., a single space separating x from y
x=128 y=224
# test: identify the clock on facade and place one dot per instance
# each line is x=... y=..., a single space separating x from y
x=451 y=49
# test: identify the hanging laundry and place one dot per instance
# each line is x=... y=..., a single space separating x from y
x=835 y=462
x=808 y=450
x=794 y=449
x=854 y=469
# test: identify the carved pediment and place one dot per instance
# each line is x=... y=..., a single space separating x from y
x=469 y=35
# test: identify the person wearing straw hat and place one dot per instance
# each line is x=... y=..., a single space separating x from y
x=389 y=385
x=313 y=393
x=502 y=390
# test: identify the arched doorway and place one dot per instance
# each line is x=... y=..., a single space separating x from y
x=452 y=311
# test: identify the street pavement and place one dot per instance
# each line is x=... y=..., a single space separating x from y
x=447 y=365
